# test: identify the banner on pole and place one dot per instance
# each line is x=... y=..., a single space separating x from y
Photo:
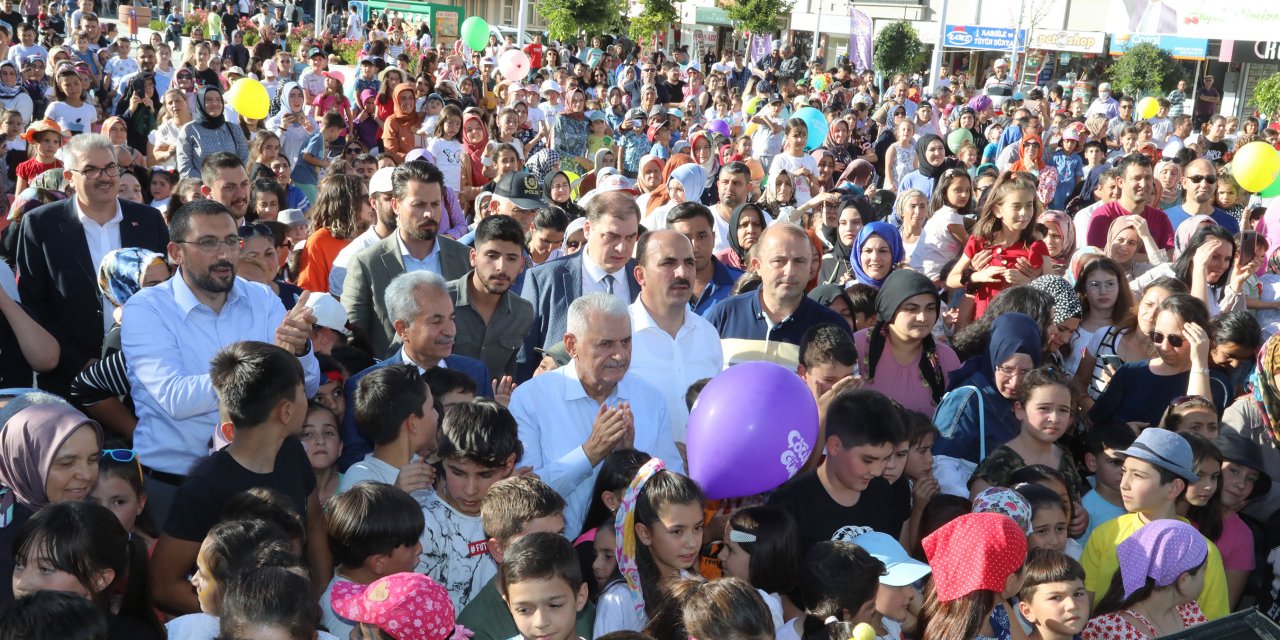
x=861 y=30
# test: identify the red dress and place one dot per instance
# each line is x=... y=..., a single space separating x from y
x=1036 y=254
x=1119 y=626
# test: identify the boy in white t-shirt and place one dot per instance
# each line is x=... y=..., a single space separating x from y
x=395 y=411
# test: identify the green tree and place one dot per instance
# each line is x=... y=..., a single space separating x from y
x=756 y=16
x=897 y=49
x=1266 y=96
x=1145 y=69
x=655 y=17
x=567 y=18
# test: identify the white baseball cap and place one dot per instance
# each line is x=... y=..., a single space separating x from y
x=551 y=85
x=381 y=181
x=329 y=312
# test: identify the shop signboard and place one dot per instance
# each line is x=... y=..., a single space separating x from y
x=963 y=36
x=1224 y=19
x=1065 y=40
x=1258 y=52
x=1177 y=46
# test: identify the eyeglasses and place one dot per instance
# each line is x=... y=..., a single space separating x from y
x=209 y=245
x=1104 y=286
x=1175 y=341
x=93 y=173
x=120 y=455
x=1199 y=179
x=1012 y=372
x=353 y=150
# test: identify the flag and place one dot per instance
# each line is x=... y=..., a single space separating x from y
x=861 y=30
x=761 y=45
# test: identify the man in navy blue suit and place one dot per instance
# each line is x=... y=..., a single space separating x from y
x=605 y=265
x=422 y=313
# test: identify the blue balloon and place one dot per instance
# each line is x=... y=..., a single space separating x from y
x=817 y=125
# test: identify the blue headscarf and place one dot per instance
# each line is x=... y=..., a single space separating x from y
x=1011 y=334
x=123 y=271
x=889 y=234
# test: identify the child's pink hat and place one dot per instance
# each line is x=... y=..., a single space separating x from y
x=407 y=606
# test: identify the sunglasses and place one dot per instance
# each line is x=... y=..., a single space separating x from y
x=353 y=150
x=120 y=455
x=1175 y=341
x=1199 y=179
x=254 y=230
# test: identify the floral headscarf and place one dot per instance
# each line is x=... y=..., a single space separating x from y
x=122 y=271
x=1060 y=221
x=1265 y=393
x=624 y=528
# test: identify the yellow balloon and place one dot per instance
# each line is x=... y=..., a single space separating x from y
x=1148 y=107
x=752 y=105
x=249 y=98
x=1255 y=166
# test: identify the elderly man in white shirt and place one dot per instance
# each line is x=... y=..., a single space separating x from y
x=673 y=347
x=573 y=417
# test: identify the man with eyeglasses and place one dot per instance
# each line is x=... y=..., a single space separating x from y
x=1116 y=125
x=1137 y=192
x=61 y=245
x=170 y=335
x=1200 y=183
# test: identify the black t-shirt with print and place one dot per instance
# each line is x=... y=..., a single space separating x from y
x=880 y=507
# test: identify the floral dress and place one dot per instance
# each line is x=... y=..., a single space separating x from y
x=571 y=141
x=1117 y=626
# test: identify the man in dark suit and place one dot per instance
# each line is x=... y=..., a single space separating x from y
x=422 y=314
x=418 y=200
x=61 y=246
x=605 y=264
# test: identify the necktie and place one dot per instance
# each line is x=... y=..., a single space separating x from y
x=608 y=283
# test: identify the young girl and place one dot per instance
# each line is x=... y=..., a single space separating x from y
x=1201 y=503
x=1106 y=301
x=659 y=529
x=762 y=547
x=320 y=439
x=161 y=187
x=292 y=124
x=332 y=99
x=44 y=138
x=1153 y=594
x=230 y=551
x=401 y=605
x=946 y=232
x=1046 y=408
x=264 y=149
x=1048 y=519
x=1243 y=479
x=726 y=608
x=838 y=583
x=82 y=548
x=1191 y=414
x=69 y=108
x=120 y=489
x=1002 y=251
x=896 y=591
x=977 y=565
x=266 y=199
x=274 y=602
x=445 y=144
x=901 y=158
x=793 y=160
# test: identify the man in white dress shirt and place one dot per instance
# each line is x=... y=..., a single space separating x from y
x=673 y=346
x=572 y=418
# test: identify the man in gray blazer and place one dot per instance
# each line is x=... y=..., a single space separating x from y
x=605 y=264
x=418 y=199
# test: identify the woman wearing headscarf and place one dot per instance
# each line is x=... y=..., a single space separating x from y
x=858 y=175
x=569 y=131
x=39 y=431
x=13 y=96
x=1031 y=160
x=660 y=196
x=475 y=143
x=1067 y=313
x=1256 y=417
x=292 y=123
x=702 y=148
x=138 y=106
x=648 y=179
x=746 y=223
x=977 y=415
x=835 y=298
x=398 y=131
x=558 y=190
x=686 y=184
x=877 y=251
x=825 y=179
x=931 y=155
x=1060 y=238
x=1125 y=238
x=899 y=356
x=834 y=237
x=1169 y=174
x=208 y=134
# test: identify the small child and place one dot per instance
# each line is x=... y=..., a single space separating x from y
x=1048 y=520
x=766 y=141
x=445 y=145
x=314 y=158
x=403 y=606
x=333 y=378
x=921 y=434
x=826 y=357
x=14 y=146
x=1053 y=598
x=479 y=445
x=542 y=584
x=120 y=489
x=162 y=183
x=1066 y=490
x=368 y=548
x=801 y=166
x=600 y=136
x=1105 y=441
x=659 y=138
x=320 y=438
x=450 y=386
x=43 y=138
x=839 y=582
x=395 y=411
x=896 y=591
x=862 y=298
x=1046 y=407
x=331 y=100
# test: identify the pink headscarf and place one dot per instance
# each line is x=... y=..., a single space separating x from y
x=29 y=441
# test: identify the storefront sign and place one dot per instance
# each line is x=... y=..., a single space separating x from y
x=1060 y=40
x=1256 y=52
x=1178 y=47
x=960 y=36
x=712 y=16
x=1225 y=19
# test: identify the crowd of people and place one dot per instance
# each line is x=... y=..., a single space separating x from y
x=416 y=356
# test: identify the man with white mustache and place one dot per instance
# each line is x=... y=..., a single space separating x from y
x=672 y=347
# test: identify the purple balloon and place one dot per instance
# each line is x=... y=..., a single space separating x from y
x=753 y=427
x=719 y=126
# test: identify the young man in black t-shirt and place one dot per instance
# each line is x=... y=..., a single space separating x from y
x=847 y=488
x=263 y=405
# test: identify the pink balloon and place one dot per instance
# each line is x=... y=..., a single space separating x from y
x=513 y=64
x=752 y=429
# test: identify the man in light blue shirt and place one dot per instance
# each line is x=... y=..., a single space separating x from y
x=572 y=418
x=171 y=333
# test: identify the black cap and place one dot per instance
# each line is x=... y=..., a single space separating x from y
x=1239 y=450
x=522 y=189
x=773 y=97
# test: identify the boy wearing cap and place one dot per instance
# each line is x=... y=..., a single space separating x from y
x=766 y=142
x=660 y=136
x=312 y=80
x=633 y=144
x=897 y=584
x=1157 y=469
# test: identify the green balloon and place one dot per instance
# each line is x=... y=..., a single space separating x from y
x=1273 y=190
x=475 y=33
